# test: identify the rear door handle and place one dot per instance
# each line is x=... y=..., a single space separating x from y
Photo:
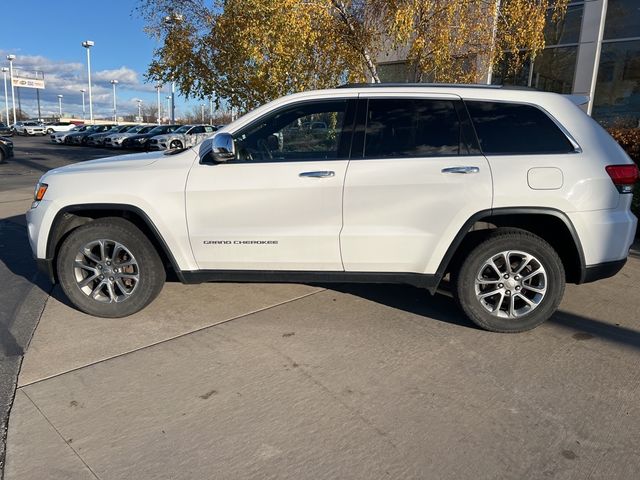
x=318 y=174
x=460 y=170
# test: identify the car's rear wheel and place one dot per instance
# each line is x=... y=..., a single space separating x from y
x=109 y=268
x=511 y=282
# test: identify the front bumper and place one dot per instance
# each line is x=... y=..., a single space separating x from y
x=45 y=265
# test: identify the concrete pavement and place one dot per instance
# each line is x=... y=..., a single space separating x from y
x=292 y=381
x=23 y=291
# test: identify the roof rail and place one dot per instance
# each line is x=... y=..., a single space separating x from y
x=431 y=85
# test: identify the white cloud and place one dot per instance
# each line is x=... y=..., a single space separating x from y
x=68 y=78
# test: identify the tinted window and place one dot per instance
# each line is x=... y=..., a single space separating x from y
x=507 y=128
x=196 y=130
x=307 y=131
x=411 y=128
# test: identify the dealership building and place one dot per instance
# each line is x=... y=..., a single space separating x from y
x=594 y=51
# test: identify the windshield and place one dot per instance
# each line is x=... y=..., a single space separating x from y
x=183 y=129
x=125 y=128
x=158 y=130
x=145 y=129
x=136 y=129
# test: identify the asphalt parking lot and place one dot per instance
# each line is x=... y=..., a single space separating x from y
x=310 y=381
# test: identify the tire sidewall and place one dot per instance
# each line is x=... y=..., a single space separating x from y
x=151 y=271
x=465 y=282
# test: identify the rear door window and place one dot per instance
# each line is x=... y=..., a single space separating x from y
x=412 y=128
x=516 y=129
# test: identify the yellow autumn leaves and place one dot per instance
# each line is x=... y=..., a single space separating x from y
x=251 y=51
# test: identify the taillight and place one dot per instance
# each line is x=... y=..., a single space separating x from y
x=623 y=176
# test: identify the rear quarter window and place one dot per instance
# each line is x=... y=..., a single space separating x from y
x=516 y=129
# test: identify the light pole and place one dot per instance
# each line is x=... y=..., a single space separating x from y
x=60 y=106
x=169 y=108
x=140 y=110
x=88 y=44
x=83 y=110
x=211 y=111
x=115 y=108
x=6 y=97
x=11 y=58
x=170 y=21
x=202 y=112
x=159 y=112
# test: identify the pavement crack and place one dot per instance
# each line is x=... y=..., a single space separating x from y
x=61 y=436
x=237 y=317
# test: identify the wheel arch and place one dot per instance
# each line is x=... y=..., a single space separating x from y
x=73 y=216
x=537 y=220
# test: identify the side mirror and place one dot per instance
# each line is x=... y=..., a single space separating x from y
x=223 y=148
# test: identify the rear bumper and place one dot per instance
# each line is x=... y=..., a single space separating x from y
x=592 y=273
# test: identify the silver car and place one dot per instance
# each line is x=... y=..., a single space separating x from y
x=184 y=137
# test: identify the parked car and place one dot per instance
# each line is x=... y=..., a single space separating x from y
x=6 y=149
x=28 y=128
x=80 y=138
x=141 y=141
x=60 y=137
x=58 y=127
x=97 y=139
x=5 y=130
x=508 y=193
x=115 y=140
x=184 y=137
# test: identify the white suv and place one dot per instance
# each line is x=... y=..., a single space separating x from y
x=29 y=128
x=510 y=193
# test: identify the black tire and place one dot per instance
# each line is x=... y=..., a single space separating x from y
x=149 y=267
x=2 y=156
x=501 y=240
x=175 y=144
x=50 y=131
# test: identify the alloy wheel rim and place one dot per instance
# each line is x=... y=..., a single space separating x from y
x=511 y=284
x=106 y=271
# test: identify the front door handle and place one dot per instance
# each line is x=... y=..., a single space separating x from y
x=460 y=170
x=318 y=174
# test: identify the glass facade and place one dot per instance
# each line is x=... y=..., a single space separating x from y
x=569 y=63
x=567 y=30
x=623 y=19
x=554 y=68
x=553 y=71
x=617 y=94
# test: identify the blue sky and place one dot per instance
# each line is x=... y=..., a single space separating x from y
x=47 y=36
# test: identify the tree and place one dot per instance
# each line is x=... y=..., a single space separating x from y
x=459 y=40
x=248 y=52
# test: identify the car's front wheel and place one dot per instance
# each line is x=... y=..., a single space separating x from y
x=511 y=282
x=109 y=268
x=175 y=144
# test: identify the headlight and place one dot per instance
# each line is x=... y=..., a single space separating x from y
x=40 y=190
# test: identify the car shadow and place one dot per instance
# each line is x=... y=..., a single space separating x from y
x=18 y=275
x=442 y=307
x=418 y=301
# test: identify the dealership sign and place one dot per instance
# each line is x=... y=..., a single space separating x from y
x=28 y=82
